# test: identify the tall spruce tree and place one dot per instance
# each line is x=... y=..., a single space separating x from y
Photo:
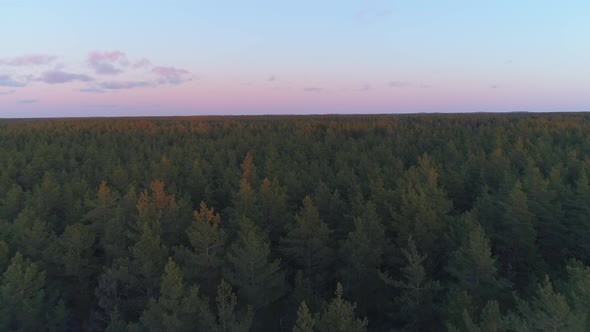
x=258 y=278
x=306 y=245
x=362 y=254
x=339 y=316
x=416 y=290
x=179 y=307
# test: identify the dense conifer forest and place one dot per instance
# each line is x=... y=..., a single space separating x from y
x=473 y=222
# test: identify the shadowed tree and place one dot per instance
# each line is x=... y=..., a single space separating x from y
x=415 y=288
x=305 y=321
x=362 y=253
x=207 y=239
x=339 y=316
x=306 y=245
x=547 y=311
x=179 y=307
x=258 y=278
x=24 y=303
x=472 y=266
x=228 y=318
x=423 y=207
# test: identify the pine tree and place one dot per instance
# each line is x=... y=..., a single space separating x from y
x=139 y=274
x=423 y=208
x=159 y=211
x=340 y=316
x=362 y=253
x=515 y=237
x=12 y=204
x=548 y=212
x=207 y=239
x=47 y=196
x=547 y=311
x=107 y=221
x=228 y=319
x=576 y=220
x=306 y=245
x=250 y=268
x=577 y=288
x=249 y=169
x=416 y=290
x=148 y=255
x=305 y=321
x=179 y=307
x=472 y=265
x=491 y=320
x=76 y=251
x=273 y=209
x=31 y=235
x=24 y=303
x=245 y=203
x=197 y=182
x=4 y=252
x=116 y=324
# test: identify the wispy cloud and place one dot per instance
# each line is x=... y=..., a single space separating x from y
x=28 y=101
x=9 y=92
x=29 y=60
x=91 y=90
x=312 y=89
x=171 y=75
x=107 y=63
x=272 y=78
x=123 y=85
x=366 y=87
x=59 y=77
x=6 y=80
x=143 y=63
x=398 y=84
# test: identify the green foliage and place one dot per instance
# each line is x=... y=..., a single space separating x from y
x=306 y=244
x=423 y=206
x=273 y=208
x=24 y=302
x=362 y=254
x=416 y=289
x=493 y=202
x=206 y=235
x=472 y=265
x=228 y=317
x=258 y=278
x=179 y=307
x=491 y=320
x=339 y=316
x=305 y=321
x=75 y=250
x=547 y=311
x=12 y=203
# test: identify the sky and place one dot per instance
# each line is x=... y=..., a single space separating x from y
x=132 y=58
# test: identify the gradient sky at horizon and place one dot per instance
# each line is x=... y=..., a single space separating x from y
x=126 y=58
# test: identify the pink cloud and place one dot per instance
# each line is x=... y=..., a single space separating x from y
x=171 y=75
x=29 y=60
x=58 y=77
x=142 y=63
x=120 y=85
x=106 y=62
x=107 y=56
x=6 y=80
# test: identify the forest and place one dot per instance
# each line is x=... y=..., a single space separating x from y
x=426 y=222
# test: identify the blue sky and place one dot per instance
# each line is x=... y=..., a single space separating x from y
x=253 y=57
